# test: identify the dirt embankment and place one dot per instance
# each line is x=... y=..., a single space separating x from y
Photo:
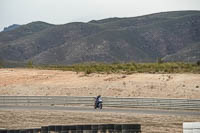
x=20 y=119
x=49 y=82
x=53 y=82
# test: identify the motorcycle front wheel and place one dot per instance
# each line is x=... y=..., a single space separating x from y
x=101 y=106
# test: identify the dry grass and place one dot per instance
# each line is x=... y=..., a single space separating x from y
x=18 y=119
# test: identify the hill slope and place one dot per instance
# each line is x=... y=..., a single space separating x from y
x=142 y=39
x=11 y=27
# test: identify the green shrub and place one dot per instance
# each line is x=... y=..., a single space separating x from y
x=88 y=71
x=1 y=63
x=30 y=64
x=127 y=68
x=198 y=63
x=159 y=61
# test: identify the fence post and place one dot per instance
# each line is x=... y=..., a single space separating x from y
x=16 y=100
x=4 y=100
x=40 y=98
x=28 y=100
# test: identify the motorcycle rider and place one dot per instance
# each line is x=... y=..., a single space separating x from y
x=98 y=100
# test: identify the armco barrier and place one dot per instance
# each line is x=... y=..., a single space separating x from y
x=103 y=128
x=183 y=104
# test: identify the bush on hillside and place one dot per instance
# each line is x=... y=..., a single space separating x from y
x=1 y=63
x=127 y=68
x=198 y=63
x=159 y=61
x=30 y=64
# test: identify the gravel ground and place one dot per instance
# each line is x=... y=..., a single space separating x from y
x=18 y=119
x=65 y=83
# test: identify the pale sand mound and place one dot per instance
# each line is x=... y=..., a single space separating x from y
x=65 y=83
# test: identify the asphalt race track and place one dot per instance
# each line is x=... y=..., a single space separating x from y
x=104 y=110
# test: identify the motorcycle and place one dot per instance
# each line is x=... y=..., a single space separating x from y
x=98 y=104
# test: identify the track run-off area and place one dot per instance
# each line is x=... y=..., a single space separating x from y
x=104 y=110
x=110 y=104
x=153 y=114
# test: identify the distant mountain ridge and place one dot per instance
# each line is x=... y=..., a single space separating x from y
x=11 y=27
x=172 y=36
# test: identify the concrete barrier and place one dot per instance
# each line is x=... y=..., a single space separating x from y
x=37 y=130
x=102 y=128
x=191 y=127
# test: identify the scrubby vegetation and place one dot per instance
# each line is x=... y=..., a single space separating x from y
x=198 y=63
x=1 y=63
x=29 y=64
x=169 y=36
x=128 y=68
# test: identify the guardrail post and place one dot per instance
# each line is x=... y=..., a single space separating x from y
x=16 y=100
x=40 y=100
x=188 y=102
x=28 y=101
x=170 y=104
x=4 y=100
x=65 y=101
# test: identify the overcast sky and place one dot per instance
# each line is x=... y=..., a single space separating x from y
x=64 y=11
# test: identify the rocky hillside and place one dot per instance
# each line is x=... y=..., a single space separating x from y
x=173 y=36
x=11 y=27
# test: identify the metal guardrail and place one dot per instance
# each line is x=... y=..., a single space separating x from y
x=183 y=104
